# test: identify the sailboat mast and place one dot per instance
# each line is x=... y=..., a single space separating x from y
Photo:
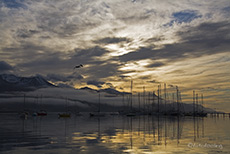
x=165 y=95
x=158 y=99
x=144 y=97
x=202 y=103
x=153 y=101
x=197 y=103
x=149 y=102
x=99 y=102
x=173 y=101
x=160 y=92
x=24 y=102
x=177 y=93
x=193 y=102
x=66 y=104
x=131 y=91
x=139 y=102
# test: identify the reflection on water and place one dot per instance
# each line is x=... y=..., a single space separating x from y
x=114 y=134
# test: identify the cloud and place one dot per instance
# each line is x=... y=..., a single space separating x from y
x=63 y=78
x=114 y=40
x=62 y=85
x=96 y=83
x=4 y=67
x=24 y=33
x=110 y=85
x=154 y=81
x=156 y=64
x=206 y=38
x=89 y=53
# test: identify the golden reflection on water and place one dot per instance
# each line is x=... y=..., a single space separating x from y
x=115 y=134
x=156 y=135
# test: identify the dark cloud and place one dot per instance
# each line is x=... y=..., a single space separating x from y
x=112 y=40
x=47 y=64
x=96 y=83
x=110 y=85
x=154 y=81
x=145 y=77
x=157 y=64
x=98 y=68
x=154 y=39
x=104 y=70
x=176 y=72
x=89 y=53
x=24 y=33
x=5 y=66
x=62 y=85
x=52 y=62
x=63 y=78
x=34 y=51
x=47 y=60
x=207 y=38
x=123 y=76
x=56 y=77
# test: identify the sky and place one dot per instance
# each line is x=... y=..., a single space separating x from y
x=184 y=43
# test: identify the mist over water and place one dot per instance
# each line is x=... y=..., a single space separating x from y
x=114 y=134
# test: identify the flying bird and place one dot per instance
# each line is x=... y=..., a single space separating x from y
x=78 y=66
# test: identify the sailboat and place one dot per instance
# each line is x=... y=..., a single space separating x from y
x=24 y=114
x=178 y=112
x=114 y=112
x=41 y=112
x=65 y=114
x=77 y=112
x=98 y=113
x=132 y=112
x=202 y=113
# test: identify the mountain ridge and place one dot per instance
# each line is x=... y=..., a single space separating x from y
x=11 y=82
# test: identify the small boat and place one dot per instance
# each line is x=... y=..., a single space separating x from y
x=176 y=114
x=78 y=114
x=201 y=114
x=122 y=112
x=24 y=115
x=114 y=113
x=42 y=113
x=131 y=114
x=188 y=114
x=35 y=114
x=97 y=114
x=64 y=115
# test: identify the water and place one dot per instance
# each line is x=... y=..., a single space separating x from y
x=113 y=134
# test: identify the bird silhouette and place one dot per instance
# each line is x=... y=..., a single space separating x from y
x=78 y=66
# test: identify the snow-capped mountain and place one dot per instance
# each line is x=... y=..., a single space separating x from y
x=10 y=82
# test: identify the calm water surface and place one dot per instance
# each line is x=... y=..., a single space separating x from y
x=114 y=134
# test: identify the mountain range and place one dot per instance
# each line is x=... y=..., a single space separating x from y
x=10 y=83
